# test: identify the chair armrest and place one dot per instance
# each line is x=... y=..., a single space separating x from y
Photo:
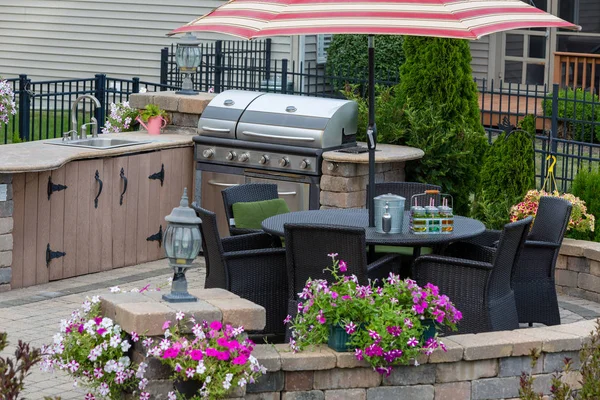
x=242 y=231
x=488 y=238
x=259 y=240
x=450 y=262
x=544 y=245
x=381 y=262
x=471 y=251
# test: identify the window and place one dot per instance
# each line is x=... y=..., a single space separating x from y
x=323 y=42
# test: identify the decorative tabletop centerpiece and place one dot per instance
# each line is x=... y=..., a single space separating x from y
x=387 y=324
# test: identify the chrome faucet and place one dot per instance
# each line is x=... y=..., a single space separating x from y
x=74 y=128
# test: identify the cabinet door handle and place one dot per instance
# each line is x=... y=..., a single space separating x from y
x=124 y=186
x=97 y=177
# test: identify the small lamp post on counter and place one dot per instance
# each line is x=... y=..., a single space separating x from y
x=188 y=57
x=182 y=244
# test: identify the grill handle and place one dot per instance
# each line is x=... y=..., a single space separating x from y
x=214 y=183
x=264 y=135
x=222 y=130
x=211 y=182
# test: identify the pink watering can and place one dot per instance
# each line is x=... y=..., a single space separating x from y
x=154 y=124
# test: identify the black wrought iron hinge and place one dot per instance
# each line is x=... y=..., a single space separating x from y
x=51 y=255
x=54 y=187
x=159 y=175
x=158 y=236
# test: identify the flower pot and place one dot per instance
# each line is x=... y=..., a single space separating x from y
x=429 y=329
x=338 y=339
x=189 y=388
x=154 y=124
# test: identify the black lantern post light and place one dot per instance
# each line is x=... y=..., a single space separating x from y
x=188 y=57
x=182 y=244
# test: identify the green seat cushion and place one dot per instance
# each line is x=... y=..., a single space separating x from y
x=408 y=251
x=250 y=215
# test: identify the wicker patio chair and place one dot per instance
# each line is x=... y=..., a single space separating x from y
x=481 y=288
x=245 y=193
x=247 y=265
x=406 y=190
x=533 y=277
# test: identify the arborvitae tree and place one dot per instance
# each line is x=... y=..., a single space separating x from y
x=506 y=175
x=438 y=71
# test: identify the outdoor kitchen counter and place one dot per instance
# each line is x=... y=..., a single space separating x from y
x=385 y=153
x=39 y=156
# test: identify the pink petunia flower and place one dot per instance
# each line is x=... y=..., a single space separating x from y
x=239 y=360
x=196 y=355
x=343 y=266
x=216 y=325
x=166 y=325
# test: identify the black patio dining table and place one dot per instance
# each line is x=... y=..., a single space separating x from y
x=464 y=227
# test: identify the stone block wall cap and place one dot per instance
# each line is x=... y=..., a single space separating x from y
x=576 y=248
x=385 y=153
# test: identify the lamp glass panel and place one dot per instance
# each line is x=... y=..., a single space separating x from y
x=188 y=56
x=182 y=241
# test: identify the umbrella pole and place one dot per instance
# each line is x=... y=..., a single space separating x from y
x=371 y=132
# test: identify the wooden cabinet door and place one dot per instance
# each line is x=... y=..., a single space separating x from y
x=57 y=220
x=119 y=210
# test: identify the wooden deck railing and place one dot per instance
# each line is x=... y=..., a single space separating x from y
x=577 y=70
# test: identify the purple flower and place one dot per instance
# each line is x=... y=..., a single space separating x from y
x=240 y=360
x=394 y=330
x=343 y=266
x=384 y=370
x=358 y=353
x=346 y=297
x=171 y=352
x=216 y=325
x=374 y=335
x=408 y=323
x=373 y=351
x=196 y=355
x=223 y=355
x=350 y=328
x=332 y=255
x=334 y=295
x=320 y=318
x=412 y=342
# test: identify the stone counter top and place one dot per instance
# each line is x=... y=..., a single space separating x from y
x=385 y=153
x=39 y=156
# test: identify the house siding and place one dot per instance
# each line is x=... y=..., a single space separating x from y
x=480 y=54
x=76 y=39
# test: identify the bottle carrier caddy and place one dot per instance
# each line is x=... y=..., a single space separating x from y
x=431 y=219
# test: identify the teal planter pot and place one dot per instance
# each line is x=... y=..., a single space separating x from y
x=338 y=339
x=429 y=329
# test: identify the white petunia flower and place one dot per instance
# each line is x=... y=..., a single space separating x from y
x=179 y=315
x=115 y=289
x=125 y=346
x=95 y=299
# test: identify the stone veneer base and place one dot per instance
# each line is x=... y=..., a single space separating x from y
x=480 y=366
x=578 y=269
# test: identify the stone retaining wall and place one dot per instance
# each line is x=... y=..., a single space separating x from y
x=481 y=366
x=6 y=228
x=578 y=269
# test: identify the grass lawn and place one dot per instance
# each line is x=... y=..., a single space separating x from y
x=43 y=125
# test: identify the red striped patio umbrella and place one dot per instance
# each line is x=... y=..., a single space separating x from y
x=457 y=19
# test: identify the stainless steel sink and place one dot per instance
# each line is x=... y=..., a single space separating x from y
x=98 y=143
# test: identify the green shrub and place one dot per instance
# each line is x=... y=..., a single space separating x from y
x=388 y=114
x=438 y=71
x=586 y=186
x=349 y=54
x=578 y=105
x=453 y=153
x=506 y=175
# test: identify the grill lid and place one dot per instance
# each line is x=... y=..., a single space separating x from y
x=221 y=115
x=298 y=121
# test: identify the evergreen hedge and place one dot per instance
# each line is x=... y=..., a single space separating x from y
x=586 y=186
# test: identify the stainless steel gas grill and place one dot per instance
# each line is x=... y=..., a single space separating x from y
x=264 y=137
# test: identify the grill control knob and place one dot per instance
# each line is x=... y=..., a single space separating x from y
x=231 y=155
x=264 y=159
x=244 y=157
x=304 y=164
x=284 y=162
x=208 y=153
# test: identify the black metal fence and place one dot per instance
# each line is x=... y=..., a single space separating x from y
x=567 y=124
x=248 y=65
x=44 y=107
